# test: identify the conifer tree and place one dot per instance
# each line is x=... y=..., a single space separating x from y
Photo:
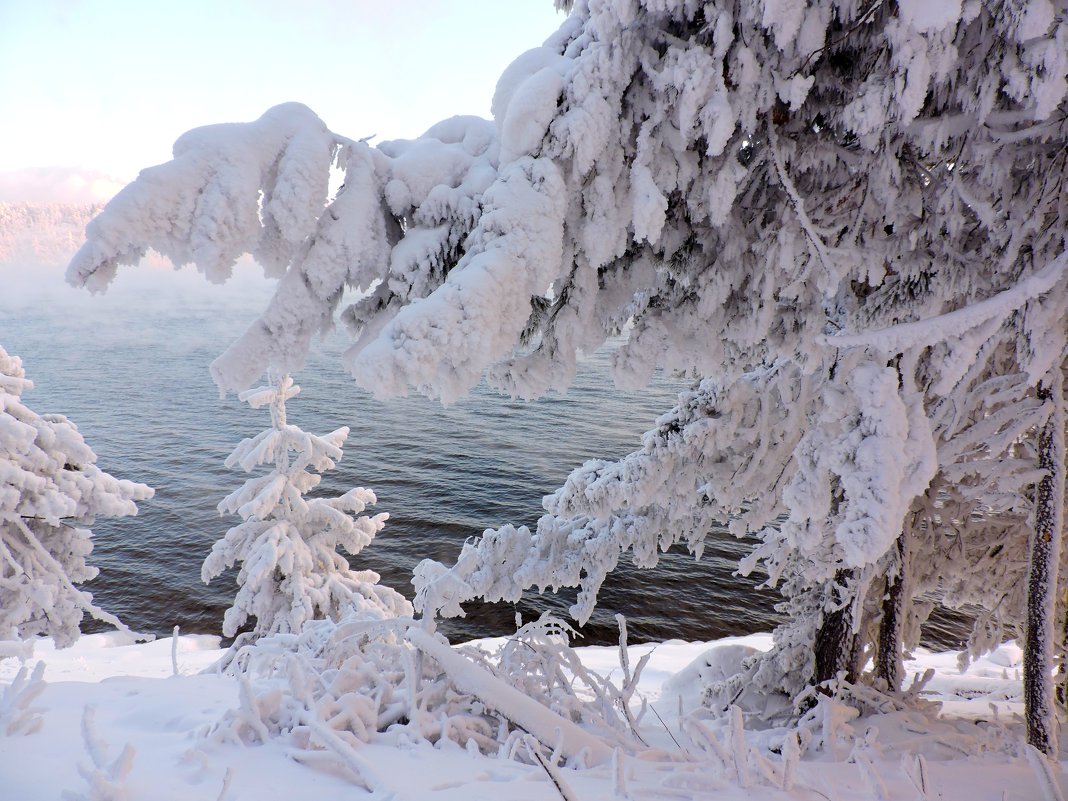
x=50 y=492
x=291 y=571
x=847 y=221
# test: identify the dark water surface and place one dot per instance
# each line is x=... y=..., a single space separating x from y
x=130 y=368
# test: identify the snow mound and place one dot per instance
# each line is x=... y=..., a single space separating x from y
x=133 y=698
x=715 y=665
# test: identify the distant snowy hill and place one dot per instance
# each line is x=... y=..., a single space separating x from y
x=45 y=234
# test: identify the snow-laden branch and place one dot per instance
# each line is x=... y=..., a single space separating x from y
x=815 y=240
x=255 y=187
x=446 y=342
x=550 y=729
x=924 y=333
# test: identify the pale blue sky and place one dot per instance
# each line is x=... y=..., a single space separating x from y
x=108 y=85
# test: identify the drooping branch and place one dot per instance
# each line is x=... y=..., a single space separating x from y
x=921 y=333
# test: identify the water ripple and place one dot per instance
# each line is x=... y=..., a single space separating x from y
x=131 y=370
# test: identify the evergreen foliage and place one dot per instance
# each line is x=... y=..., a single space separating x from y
x=50 y=490
x=846 y=221
x=291 y=571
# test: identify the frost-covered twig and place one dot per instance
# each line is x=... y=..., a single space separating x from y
x=630 y=681
x=916 y=770
x=872 y=780
x=798 y=203
x=708 y=741
x=619 y=775
x=16 y=714
x=345 y=752
x=670 y=733
x=539 y=661
x=739 y=749
x=826 y=724
x=174 y=651
x=553 y=772
x=250 y=712
x=771 y=773
x=228 y=778
x=107 y=782
x=791 y=759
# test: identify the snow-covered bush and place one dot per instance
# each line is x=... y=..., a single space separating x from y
x=50 y=487
x=337 y=684
x=291 y=571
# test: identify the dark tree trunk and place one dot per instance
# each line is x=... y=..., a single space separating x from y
x=888 y=662
x=1042 y=580
x=835 y=642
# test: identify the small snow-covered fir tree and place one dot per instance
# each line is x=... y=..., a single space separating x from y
x=291 y=570
x=50 y=489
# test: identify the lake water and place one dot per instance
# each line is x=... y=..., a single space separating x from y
x=130 y=368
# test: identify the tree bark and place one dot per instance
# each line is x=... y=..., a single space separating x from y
x=1042 y=576
x=888 y=662
x=835 y=641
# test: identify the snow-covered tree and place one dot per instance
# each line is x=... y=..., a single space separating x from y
x=42 y=233
x=291 y=571
x=845 y=220
x=50 y=491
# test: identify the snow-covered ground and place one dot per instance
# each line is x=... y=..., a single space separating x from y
x=969 y=748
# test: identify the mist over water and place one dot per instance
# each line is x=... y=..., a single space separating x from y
x=130 y=368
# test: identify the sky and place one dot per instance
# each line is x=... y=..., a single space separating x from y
x=91 y=91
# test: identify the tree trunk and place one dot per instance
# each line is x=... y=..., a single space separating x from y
x=1042 y=576
x=835 y=642
x=888 y=662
